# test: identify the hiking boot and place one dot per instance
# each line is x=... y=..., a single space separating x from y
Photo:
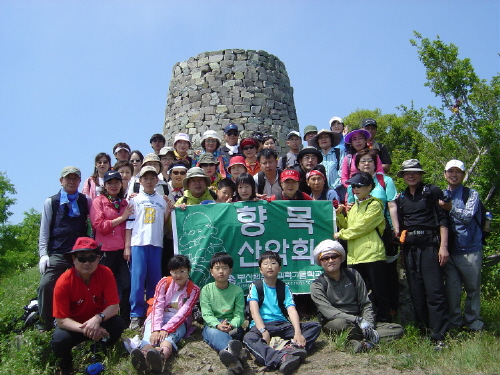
x=138 y=360
x=135 y=323
x=295 y=350
x=155 y=361
x=289 y=363
x=439 y=345
x=230 y=361
x=235 y=347
x=355 y=346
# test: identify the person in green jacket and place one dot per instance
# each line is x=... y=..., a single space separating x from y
x=196 y=188
x=362 y=228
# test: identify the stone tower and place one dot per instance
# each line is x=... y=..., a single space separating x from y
x=248 y=88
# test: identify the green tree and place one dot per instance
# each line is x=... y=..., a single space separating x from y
x=6 y=188
x=466 y=125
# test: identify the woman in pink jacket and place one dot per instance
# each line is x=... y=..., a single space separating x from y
x=357 y=141
x=108 y=215
x=170 y=318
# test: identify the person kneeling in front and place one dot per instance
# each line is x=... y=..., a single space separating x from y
x=86 y=304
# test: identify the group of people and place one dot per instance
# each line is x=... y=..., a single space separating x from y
x=126 y=210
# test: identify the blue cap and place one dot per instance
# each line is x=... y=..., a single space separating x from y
x=231 y=127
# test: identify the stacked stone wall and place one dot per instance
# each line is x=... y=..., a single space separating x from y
x=213 y=89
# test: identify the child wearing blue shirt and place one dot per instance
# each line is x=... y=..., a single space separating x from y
x=269 y=320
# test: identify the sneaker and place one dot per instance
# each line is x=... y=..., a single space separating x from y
x=295 y=350
x=289 y=363
x=138 y=360
x=230 y=361
x=135 y=323
x=235 y=347
x=155 y=361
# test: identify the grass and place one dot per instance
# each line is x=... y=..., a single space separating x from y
x=467 y=352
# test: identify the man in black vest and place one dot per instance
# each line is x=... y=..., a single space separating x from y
x=64 y=219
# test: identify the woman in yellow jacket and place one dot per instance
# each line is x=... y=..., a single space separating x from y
x=362 y=228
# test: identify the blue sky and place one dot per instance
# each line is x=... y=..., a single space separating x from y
x=78 y=76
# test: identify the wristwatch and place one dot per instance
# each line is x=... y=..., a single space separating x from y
x=262 y=330
x=102 y=316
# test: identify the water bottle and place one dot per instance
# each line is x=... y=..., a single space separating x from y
x=487 y=222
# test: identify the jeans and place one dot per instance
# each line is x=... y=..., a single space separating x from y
x=217 y=339
x=172 y=337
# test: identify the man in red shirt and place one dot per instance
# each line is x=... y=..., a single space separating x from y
x=86 y=303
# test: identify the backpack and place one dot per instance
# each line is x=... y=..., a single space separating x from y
x=261 y=181
x=151 y=301
x=280 y=295
x=482 y=221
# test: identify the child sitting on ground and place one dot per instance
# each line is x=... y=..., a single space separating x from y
x=222 y=307
x=225 y=190
x=170 y=317
x=270 y=302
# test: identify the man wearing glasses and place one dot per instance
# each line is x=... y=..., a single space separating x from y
x=342 y=300
x=86 y=303
x=425 y=249
x=157 y=142
x=231 y=134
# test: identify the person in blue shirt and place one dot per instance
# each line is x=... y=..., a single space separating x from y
x=466 y=250
x=269 y=320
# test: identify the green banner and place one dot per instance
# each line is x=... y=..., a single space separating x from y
x=247 y=229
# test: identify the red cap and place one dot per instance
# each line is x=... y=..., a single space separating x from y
x=290 y=174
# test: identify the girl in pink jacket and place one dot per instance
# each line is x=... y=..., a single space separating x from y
x=170 y=317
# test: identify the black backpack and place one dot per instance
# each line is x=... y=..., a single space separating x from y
x=280 y=296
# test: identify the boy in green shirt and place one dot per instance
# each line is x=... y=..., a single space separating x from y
x=222 y=307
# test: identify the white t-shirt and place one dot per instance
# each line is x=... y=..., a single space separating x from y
x=148 y=219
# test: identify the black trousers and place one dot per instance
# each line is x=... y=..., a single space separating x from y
x=374 y=276
x=426 y=283
x=63 y=340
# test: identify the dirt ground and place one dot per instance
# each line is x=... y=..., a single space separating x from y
x=196 y=357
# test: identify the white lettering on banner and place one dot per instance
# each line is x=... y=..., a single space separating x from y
x=271 y=245
x=303 y=250
x=252 y=226
x=300 y=217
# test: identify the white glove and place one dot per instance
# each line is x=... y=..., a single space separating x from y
x=363 y=323
x=43 y=263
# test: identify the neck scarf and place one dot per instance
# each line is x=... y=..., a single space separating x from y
x=115 y=202
x=71 y=200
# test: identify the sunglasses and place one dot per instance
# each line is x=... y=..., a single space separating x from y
x=248 y=147
x=182 y=173
x=329 y=257
x=232 y=133
x=357 y=186
x=90 y=259
x=203 y=165
x=157 y=140
x=135 y=160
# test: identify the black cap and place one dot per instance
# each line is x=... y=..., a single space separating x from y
x=109 y=175
x=362 y=178
x=368 y=121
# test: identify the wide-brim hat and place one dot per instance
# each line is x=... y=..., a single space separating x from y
x=207 y=158
x=195 y=172
x=209 y=134
x=348 y=137
x=328 y=246
x=83 y=244
x=182 y=137
x=411 y=165
x=335 y=137
x=310 y=150
x=310 y=129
